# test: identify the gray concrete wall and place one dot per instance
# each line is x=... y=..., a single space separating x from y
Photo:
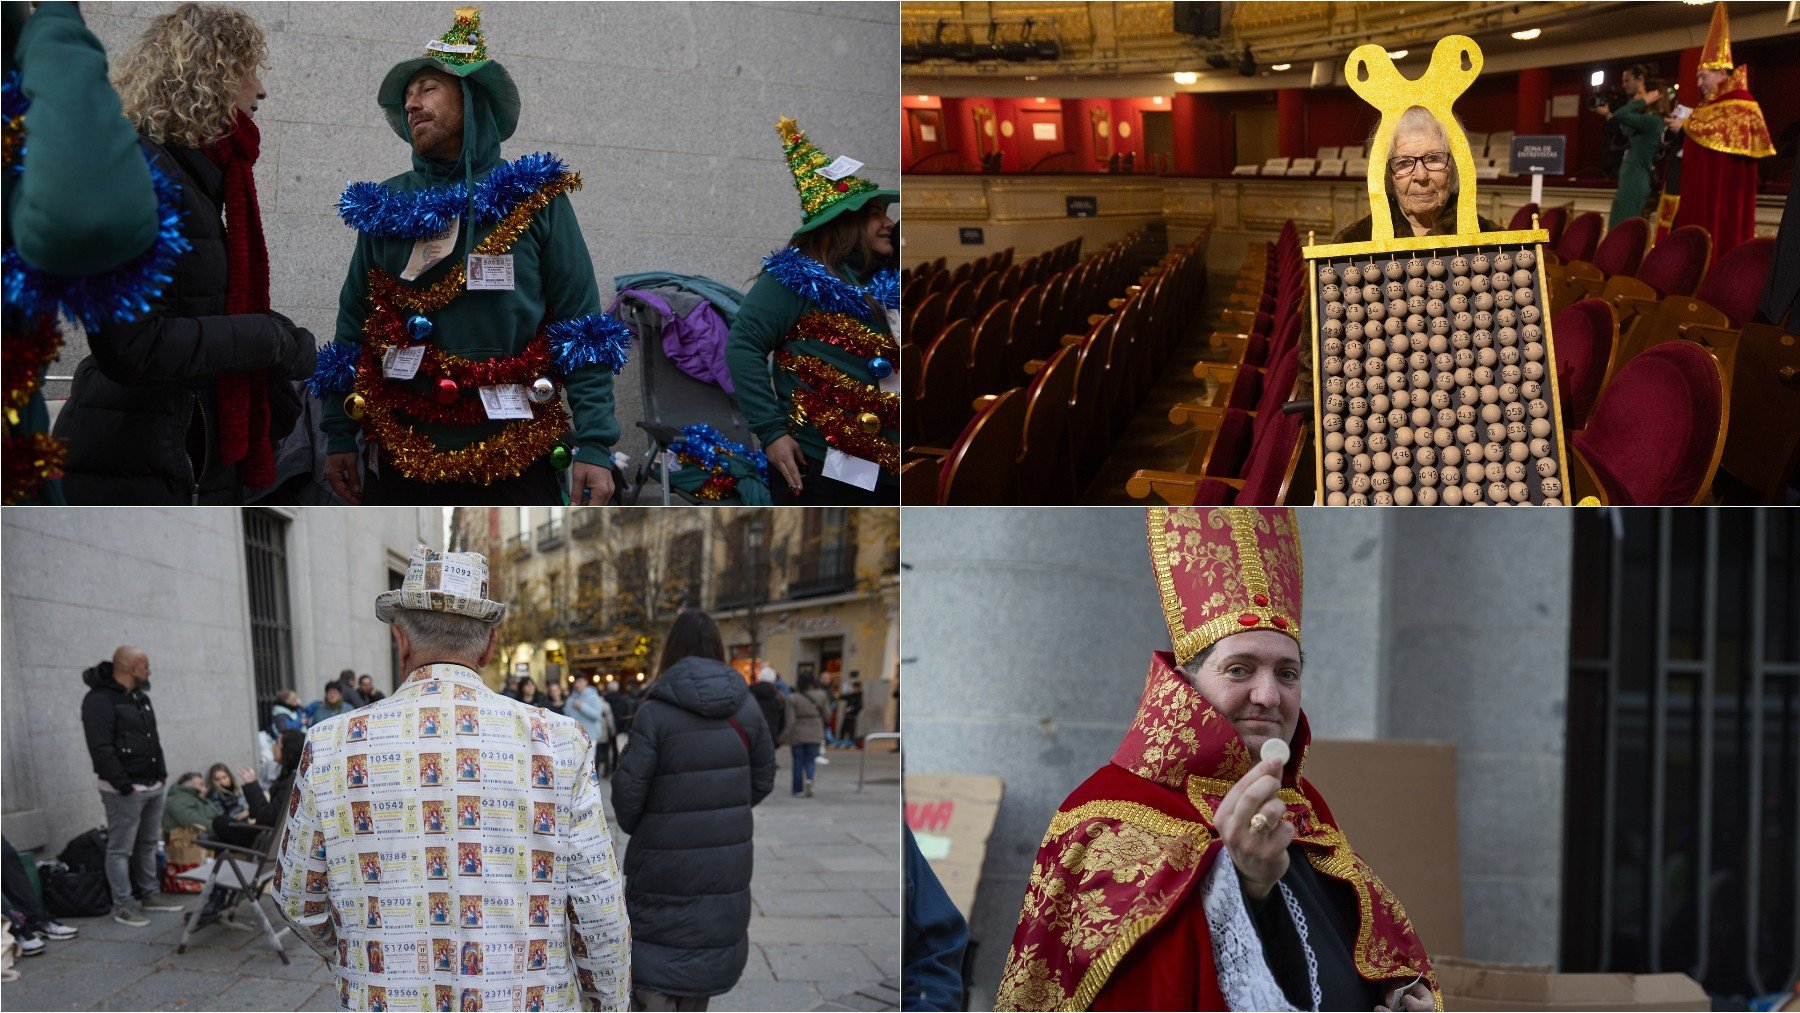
x=1026 y=634
x=668 y=111
x=77 y=583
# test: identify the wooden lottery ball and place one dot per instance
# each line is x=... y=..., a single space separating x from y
x=1465 y=434
x=1503 y=300
x=1493 y=453
x=1332 y=346
x=1466 y=416
x=1529 y=329
x=1540 y=428
x=1495 y=432
x=1359 y=483
x=1396 y=381
x=1452 y=494
x=1519 y=492
x=1359 y=499
x=1486 y=357
x=1521 y=278
x=1484 y=375
x=1480 y=264
x=1524 y=297
x=1506 y=337
x=1353 y=425
x=1479 y=283
x=1517 y=453
x=1503 y=261
x=1337 y=311
x=1451 y=457
x=1403 y=438
x=1351 y=312
x=1334 y=404
x=1396 y=418
x=1392 y=270
x=1482 y=338
x=1437 y=290
x=1506 y=317
x=1403 y=496
x=1333 y=330
x=1534 y=370
x=1353 y=444
x=1460 y=286
x=1495 y=492
x=1354 y=387
x=1509 y=392
x=1516 y=432
x=1524 y=258
x=1442 y=438
x=1418 y=342
x=1401 y=398
x=1332 y=422
x=1328 y=275
x=1494 y=471
x=1538 y=408
x=1468 y=394
x=1378 y=403
x=1440 y=399
x=1425 y=453
x=1376 y=347
x=1383 y=497
x=1489 y=413
x=1377 y=423
x=1415 y=287
x=1509 y=355
x=1489 y=393
x=1416 y=305
x=1434 y=307
x=1484 y=318
x=1446 y=418
x=1540 y=448
x=1510 y=373
x=1393 y=290
x=1394 y=325
x=1334 y=385
x=1336 y=499
x=1415 y=268
x=1459 y=266
x=1403 y=475
x=1353 y=293
x=1463 y=321
x=1334 y=462
x=1515 y=471
x=1552 y=488
x=1443 y=361
x=1419 y=360
x=1334 y=441
x=1335 y=481
x=1428 y=475
x=1533 y=353
x=1376 y=310
x=1376 y=382
x=1461 y=339
x=1458 y=303
x=1382 y=461
x=1546 y=466
x=1353 y=367
x=1369 y=271
x=1350 y=275
x=1421 y=418
x=1359 y=406
x=1330 y=293
x=1353 y=347
x=1464 y=358
x=1333 y=365
x=1471 y=492
x=1428 y=496
x=1440 y=325
x=1435 y=267
x=1402 y=455
x=1371 y=293
x=1499 y=283
x=1474 y=471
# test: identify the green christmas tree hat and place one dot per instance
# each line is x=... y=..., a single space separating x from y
x=824 y=196
x=461 y=52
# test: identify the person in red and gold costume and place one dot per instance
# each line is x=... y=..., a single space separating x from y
x=1725 y=136
x=1187 y=874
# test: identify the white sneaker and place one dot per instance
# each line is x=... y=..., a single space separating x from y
x=822 y=760
x=57 y=930
x=30 y=946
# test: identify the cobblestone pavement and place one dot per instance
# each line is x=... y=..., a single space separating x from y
x=824 y=933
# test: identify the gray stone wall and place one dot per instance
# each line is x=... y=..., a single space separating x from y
x=668 y=111
x=78 y=583
x=1026 y=634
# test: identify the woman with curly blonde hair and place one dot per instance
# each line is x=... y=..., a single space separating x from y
x=186 y=404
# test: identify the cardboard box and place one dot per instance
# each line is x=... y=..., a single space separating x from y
x=1471 y=985
x=952 y=816
x=1396 y=803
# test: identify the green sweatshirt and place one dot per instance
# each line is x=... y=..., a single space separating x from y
x=764 y=391
x=553 y=280
x=185 y=807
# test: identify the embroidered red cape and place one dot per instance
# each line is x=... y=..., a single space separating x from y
x=1133 y=844
x=1724 y=138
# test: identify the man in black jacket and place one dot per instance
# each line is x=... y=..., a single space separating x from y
x=128 y=759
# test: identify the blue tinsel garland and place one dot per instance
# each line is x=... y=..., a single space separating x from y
x=336 y=371
x=14 y=103
x=597 y=339
x=374 y=209
x=707 y=445
x=812 y=281
x=117 y=296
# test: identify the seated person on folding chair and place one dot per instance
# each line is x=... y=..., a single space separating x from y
x=266 y=810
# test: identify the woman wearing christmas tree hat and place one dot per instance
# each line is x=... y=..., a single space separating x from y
x=814 y=350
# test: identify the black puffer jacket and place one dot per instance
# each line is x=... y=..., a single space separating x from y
x=121 y=731
x=683 y=791
x=142 y=419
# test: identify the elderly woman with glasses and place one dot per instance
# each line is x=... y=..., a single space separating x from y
x=1422 y=183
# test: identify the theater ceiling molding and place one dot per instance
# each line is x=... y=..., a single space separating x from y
x=1130 y=42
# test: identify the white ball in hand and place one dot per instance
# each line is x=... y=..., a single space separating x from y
x=1275 y=748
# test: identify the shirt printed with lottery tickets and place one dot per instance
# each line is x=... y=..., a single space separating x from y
x=445 y=849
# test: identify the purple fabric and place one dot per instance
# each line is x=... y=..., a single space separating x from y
x=694 y=343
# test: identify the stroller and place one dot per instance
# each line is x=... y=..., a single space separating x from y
x=672 y=398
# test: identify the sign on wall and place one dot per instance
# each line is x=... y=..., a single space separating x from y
x=1081 y=207
x=971 y=236
x=1538 y=154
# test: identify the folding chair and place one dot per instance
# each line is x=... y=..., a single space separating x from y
x=247 y=873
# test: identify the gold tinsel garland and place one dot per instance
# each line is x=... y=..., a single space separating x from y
x=506 y=454
x=445 y=290
x=841 y=431
x=840 y=388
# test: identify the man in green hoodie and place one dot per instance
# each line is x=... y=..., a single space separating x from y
x=470 y=311
x=186 y=806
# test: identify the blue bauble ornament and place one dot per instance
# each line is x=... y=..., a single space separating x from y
x=419 y=328
x=880 y=368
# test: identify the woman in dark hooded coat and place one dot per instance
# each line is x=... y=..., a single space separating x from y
x=700 y=757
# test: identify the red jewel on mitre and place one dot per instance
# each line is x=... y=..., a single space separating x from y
x=1225 y=570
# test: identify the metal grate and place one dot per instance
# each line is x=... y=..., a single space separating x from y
x=1683 y=764
x=271 y=631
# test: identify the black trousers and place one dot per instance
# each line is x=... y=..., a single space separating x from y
x=538 y=485
x=19 y=895
x=817 y=490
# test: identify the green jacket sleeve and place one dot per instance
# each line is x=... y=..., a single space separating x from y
x=1636 y=119
x=86 y=205
x=763 y=321
x=353 y=305
x=570 y=291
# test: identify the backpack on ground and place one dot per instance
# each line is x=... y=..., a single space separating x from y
x=86 y=851
x=75 y=893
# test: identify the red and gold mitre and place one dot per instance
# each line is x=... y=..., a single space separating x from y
x=1716 y=54
x=1732 y=121
x=1226 y=570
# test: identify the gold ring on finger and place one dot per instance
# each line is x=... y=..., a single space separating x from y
x=1260 y=823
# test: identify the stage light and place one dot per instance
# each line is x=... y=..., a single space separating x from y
x=1186 y=77
x=1282 y=66
x=1528 y=34
x=1598 y=79
x=1396 y=54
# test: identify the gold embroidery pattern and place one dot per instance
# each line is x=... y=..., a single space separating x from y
x=1235 y=569
x=1029 y=984
x=1731 y=126
x=1165 y=729
x=1243 y=532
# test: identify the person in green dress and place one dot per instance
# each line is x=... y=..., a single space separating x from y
x=814 y=352
x=1643 y=132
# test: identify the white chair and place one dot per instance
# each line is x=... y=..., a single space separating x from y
x=1301 y=167
x=1331 y=167
x=1330 y=154
x=1243 y=170
x=1356 y=167
x=1275 y=167
x=1352 y=153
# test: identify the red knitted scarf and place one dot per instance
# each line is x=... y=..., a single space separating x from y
x=244 y=397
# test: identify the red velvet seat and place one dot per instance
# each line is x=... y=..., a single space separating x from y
x=1581 y=237
x=1521 y=218
x=1267 y=471
x=1552 y=220
x=1656 y=434
x=1623 y=248
x=1585 y=333
x=1676 y=265
x=1735 y=285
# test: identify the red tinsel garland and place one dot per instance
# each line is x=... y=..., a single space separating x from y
x=383 y=328
x=841 y=430
x=841 y=389
x=31 y=460
x=22 y=360
x=845 y=332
